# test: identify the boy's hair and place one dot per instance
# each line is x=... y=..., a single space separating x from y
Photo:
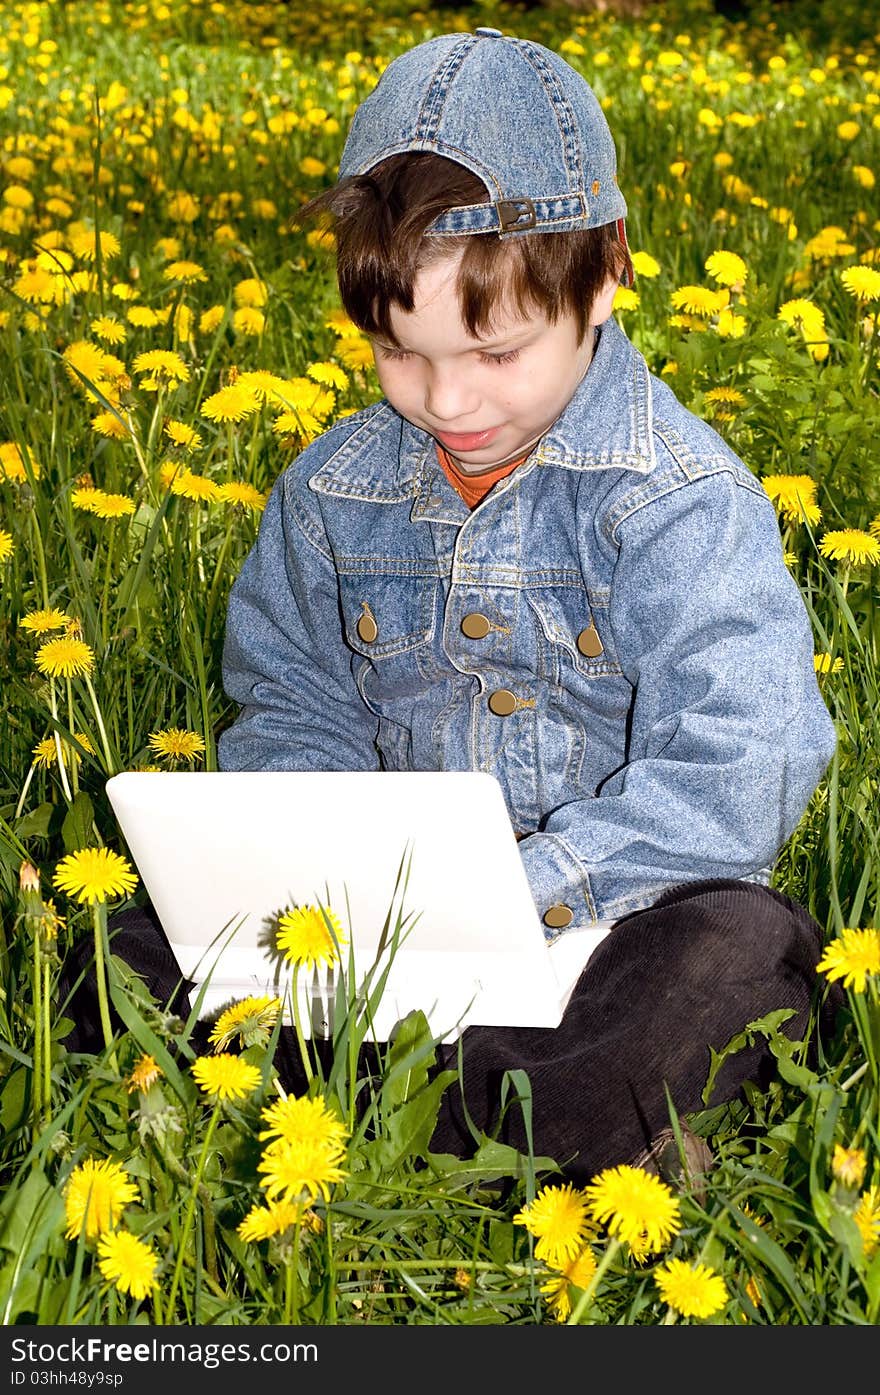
x=380 y=221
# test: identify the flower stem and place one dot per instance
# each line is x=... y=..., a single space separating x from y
x=297 y=1023
x=191 y=1206
x=99 y=922
x=111 y=768
x=587 y=1295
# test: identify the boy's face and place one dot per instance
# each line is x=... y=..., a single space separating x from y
x=487 y=401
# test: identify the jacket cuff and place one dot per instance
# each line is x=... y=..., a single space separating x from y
x=559 y=883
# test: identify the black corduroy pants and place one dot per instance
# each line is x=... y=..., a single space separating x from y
x=666 y=984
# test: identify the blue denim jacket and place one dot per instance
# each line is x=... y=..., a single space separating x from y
x=659 y=719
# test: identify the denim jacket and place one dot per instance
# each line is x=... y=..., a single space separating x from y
x=612 y=633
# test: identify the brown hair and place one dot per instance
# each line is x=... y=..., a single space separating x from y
x=380 y=220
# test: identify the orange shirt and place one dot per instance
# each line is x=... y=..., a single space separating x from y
x=473 y=488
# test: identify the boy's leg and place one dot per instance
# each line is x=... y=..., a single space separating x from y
x=689 y=972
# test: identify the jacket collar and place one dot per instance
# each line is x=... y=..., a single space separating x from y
x=606 y=425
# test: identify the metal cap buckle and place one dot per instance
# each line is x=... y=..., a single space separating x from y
x=515 y=215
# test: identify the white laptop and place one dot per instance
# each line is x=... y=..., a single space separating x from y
x=221 y=853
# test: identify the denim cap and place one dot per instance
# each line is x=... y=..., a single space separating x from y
x=512 y=112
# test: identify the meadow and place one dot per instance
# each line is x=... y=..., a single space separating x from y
x=170 y=338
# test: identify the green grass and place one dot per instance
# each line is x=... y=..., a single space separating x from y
x=191 y=122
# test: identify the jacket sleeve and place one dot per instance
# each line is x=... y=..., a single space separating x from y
x=283 y=661
x=729 y=732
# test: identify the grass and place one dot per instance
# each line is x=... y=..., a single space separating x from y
x=188 y=136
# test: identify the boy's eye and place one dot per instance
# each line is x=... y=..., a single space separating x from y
x=387 y=352
x=510 y=357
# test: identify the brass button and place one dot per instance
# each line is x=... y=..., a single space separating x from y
x=589 y=643
x=367 y=628
x=558 y=917
x=475 y=625
x=502 y=702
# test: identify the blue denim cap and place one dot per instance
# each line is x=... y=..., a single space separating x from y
x=511 y=111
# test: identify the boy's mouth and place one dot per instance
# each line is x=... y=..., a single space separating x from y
x=467 y=441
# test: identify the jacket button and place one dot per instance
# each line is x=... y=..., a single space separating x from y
x=558 y=917
x=589 y=643
x=475 y=625
x=367 y=628
x=502 y=702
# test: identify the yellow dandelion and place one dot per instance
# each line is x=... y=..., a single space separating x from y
x=725 y=397
x=41 y=622
x=864 y=176
x=226 y=1077
x=7 y=547
x=645 y=265
x=14 y=462
x=187 y=272
x=193 y=486
x=94 y=874
x=300 y=1171
x=355 y=351
x=867 y=1218
x=625 y=298
x=251 y=1020
x=862 y=282
x=211 y=319
x=106 y=505
x=577 y=1273
x=85 y=498
x=268 y=387
x=162 y=365
x=129 y=1263
x=848 y=130
x=95 y=1195
x=692 y=1290
x=853 y=956
x=823 y=663
x=183 y=207
x=275 y=1218
x=727 y=269
x=65 y=657
x=310 y=935
x=248 y=321
x=634 y=1206
x=242 y=495
x=341 y=323
x=231 y=403
x=794 y=497
x=850 y=545
x=86 y=245
x=250 y=291
x=557 y=1218
x=176 y=744
x=699 y=300
x=142 y=317
x=182 y=434
x=329 y=374
x=848 y=1165
x=729 y=325
x=145 y=1073
x=303 y=1119
x=111 y=425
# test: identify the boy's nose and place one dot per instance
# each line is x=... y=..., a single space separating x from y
x=448 y=396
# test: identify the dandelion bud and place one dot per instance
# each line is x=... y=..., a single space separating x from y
x=28 y=877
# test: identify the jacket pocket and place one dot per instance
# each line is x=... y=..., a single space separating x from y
x=573 y=625
x=389 y=621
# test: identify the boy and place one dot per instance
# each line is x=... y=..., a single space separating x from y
x=530 y=559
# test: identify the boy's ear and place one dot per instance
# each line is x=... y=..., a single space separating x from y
x=604 y=302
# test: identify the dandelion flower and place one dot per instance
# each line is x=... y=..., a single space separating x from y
x=251 y=1020
x=309 y=935
x=226 y=1077
x=727 y=269
x=251 y=292
x=699 y=300
x=110 y=424
x=275 y=1218
x=7 y=547
x=329 y=374
x=40 y=622
x=187 y=272
x=303 y=1120
x=231 y=403
x=852 y=956
x=183 y=435
x=94 y=874
x=848 y=1165
x=242 y=495
x=635 y=1206
x=794 y=496
x=65 y=657
x=145 y=1073
x=248 y=321
x=14 y=462
x=112 y=505
x=867 y=1218
x=730 y=325
x=626 y=299
x=355 y=351
x=645 y=265
x=726 y=397
x=128 y=1262
x=192 y=486
x=823 y=663
x=175 y=744
x=850 y=545
x=692 y=1290
x=864 y=176
x=301 y=1170
x=863 y=282
x=211 y=319
x=142 y=317
x=86 y=244
x=557 y=1218
x=162 y=364
x=557 y=1290
x=95 y=1195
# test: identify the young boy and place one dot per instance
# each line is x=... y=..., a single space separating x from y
x=530 y=559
